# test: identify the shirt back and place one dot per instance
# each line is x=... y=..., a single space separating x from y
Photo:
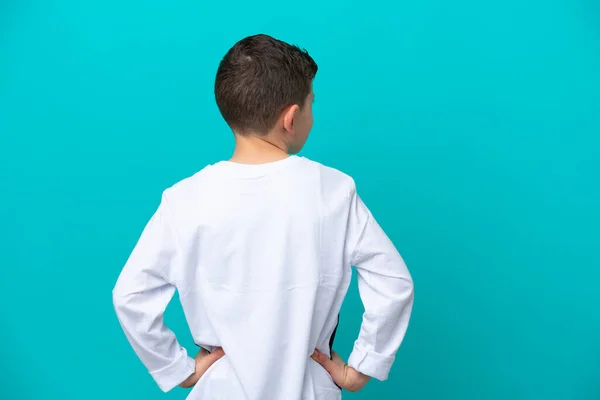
x=261 y=256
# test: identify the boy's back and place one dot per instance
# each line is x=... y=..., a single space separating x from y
x=261 y=255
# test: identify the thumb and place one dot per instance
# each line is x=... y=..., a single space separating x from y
x=330 y=365
x=214 y=356
x=204 y=362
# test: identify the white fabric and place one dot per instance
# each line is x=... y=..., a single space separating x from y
x=261 y=256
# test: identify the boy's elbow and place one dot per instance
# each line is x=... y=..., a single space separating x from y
x=410 y=284
x=407 y=291
x=411 y=290
x=119 y=298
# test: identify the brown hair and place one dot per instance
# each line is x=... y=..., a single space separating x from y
x=258 y=78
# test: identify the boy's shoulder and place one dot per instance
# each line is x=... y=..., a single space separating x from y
x=328 y=176
x=333 y=184
x=331 y=172
x=190 y=184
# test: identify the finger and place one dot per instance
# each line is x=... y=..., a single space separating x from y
x=205 y=362
x=215 y=355
x=337 y=359
x=202 y=353
x=330 y=366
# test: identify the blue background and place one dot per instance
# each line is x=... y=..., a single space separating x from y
x=471 y=127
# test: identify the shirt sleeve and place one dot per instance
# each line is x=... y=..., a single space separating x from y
x=143 y=290
x=386 y=291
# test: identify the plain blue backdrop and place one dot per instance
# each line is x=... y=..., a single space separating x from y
x=471 y=127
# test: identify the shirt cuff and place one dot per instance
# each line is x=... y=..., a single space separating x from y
x=175 y=373
x=370 y=363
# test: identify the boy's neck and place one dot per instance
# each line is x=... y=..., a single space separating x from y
x=257 y=150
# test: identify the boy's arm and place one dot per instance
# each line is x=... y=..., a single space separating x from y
x=140 y=297
x=386 y=290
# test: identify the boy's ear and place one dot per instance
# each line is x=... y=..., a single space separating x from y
x=288 y=118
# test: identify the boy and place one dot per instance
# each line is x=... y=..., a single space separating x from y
x=260 y=248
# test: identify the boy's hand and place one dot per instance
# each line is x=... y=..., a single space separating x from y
x=344 y=376
x=204 y=360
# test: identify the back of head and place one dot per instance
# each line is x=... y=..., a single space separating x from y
x=258 y=78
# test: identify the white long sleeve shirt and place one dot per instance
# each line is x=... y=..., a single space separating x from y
x=261 y=256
